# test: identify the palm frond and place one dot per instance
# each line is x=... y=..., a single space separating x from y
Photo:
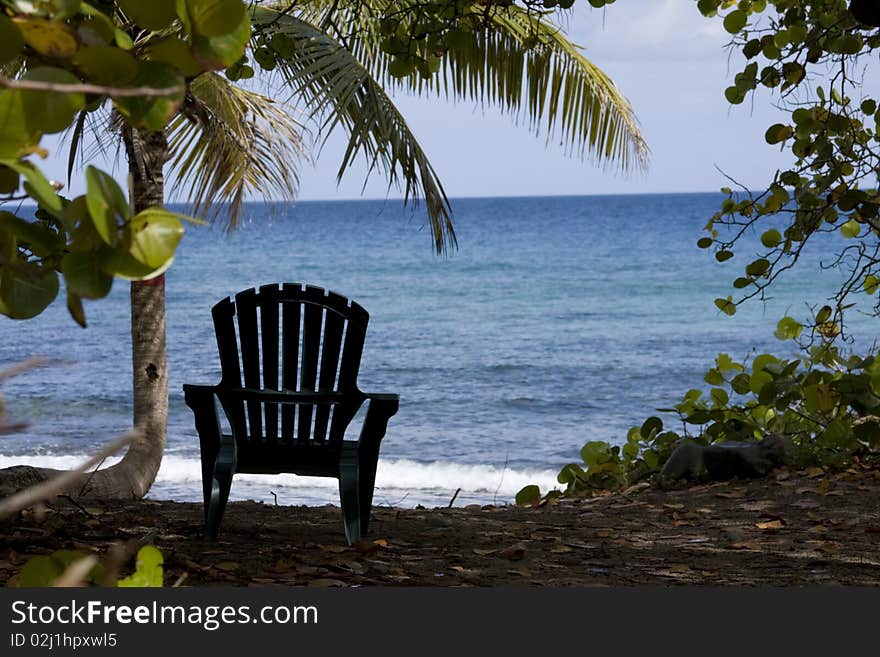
x=336 y=87
x=229 y=143
x=512 y=57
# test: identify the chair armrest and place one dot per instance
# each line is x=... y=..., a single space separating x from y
x=382 y=397
x=278 y=396
x=203 y=402
x=380 y=409
x=195 y=392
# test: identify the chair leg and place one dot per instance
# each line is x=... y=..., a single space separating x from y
x=348 y=493
x=368 y=459
x=221 y=482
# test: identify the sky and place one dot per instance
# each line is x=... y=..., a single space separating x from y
x=668 y=60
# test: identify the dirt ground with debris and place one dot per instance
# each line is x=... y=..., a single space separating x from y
x=792 y=529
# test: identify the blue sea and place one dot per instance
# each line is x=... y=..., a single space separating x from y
x=557 y=320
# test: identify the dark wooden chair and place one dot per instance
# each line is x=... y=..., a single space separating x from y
x=289 y=401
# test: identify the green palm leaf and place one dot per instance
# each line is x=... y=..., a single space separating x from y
x=511 y=57
x=229 y=142
x=334 y=85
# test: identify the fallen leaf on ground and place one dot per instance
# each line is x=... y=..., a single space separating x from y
x=603 y=533
x=368 y=547
x=484 y=553
x=770 y=524
x=227 y=566
x=744 y=546
x=514 y=552
x=731 y=494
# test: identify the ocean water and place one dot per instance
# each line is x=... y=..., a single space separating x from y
x=558 y=320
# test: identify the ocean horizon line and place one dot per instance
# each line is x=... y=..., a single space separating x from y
x=420 y=200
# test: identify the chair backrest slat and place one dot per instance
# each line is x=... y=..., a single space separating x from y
x=355 y=336
x=290 y=317
x=248 y=336
x=313 y=317
x=223 y=315
x=269 y=340
x=295 y=338
x=334 y=325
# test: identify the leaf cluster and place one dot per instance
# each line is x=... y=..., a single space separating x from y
x=825 y=401
x=44 y=570
x=814 y=55
x=62 y=62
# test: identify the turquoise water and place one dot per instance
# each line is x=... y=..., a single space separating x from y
x=558 y=320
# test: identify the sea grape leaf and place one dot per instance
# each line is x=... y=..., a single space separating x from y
x=75 y=308
x=175 y=52
x=153 y=15
x=121 y=263
x=528 y=495
x=155 y=234
x=106 y=203
x=11 y=41
x=50 y=38
x=51 y=111
x=107 y=65
x=17 y=133
x=84 y=276
x=153 y=112
x=213 y=18
x=148 y=572
x=222 y=51
x=788 y=328
x=40 y=571
x=26 y=290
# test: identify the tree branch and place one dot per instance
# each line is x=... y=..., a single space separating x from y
x=85 y=88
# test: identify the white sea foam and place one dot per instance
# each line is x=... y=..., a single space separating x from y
x=400 y=482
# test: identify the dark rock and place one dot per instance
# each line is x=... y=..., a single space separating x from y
x=726 y=460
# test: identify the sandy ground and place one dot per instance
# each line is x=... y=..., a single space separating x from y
x=792 y=529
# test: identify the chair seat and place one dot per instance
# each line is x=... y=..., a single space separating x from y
x=307 y=459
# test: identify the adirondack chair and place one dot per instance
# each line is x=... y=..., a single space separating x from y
x=288 y=405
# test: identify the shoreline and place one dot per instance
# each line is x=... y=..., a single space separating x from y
x=792 y=529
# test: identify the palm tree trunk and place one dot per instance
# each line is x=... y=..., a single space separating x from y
x=132 y=477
